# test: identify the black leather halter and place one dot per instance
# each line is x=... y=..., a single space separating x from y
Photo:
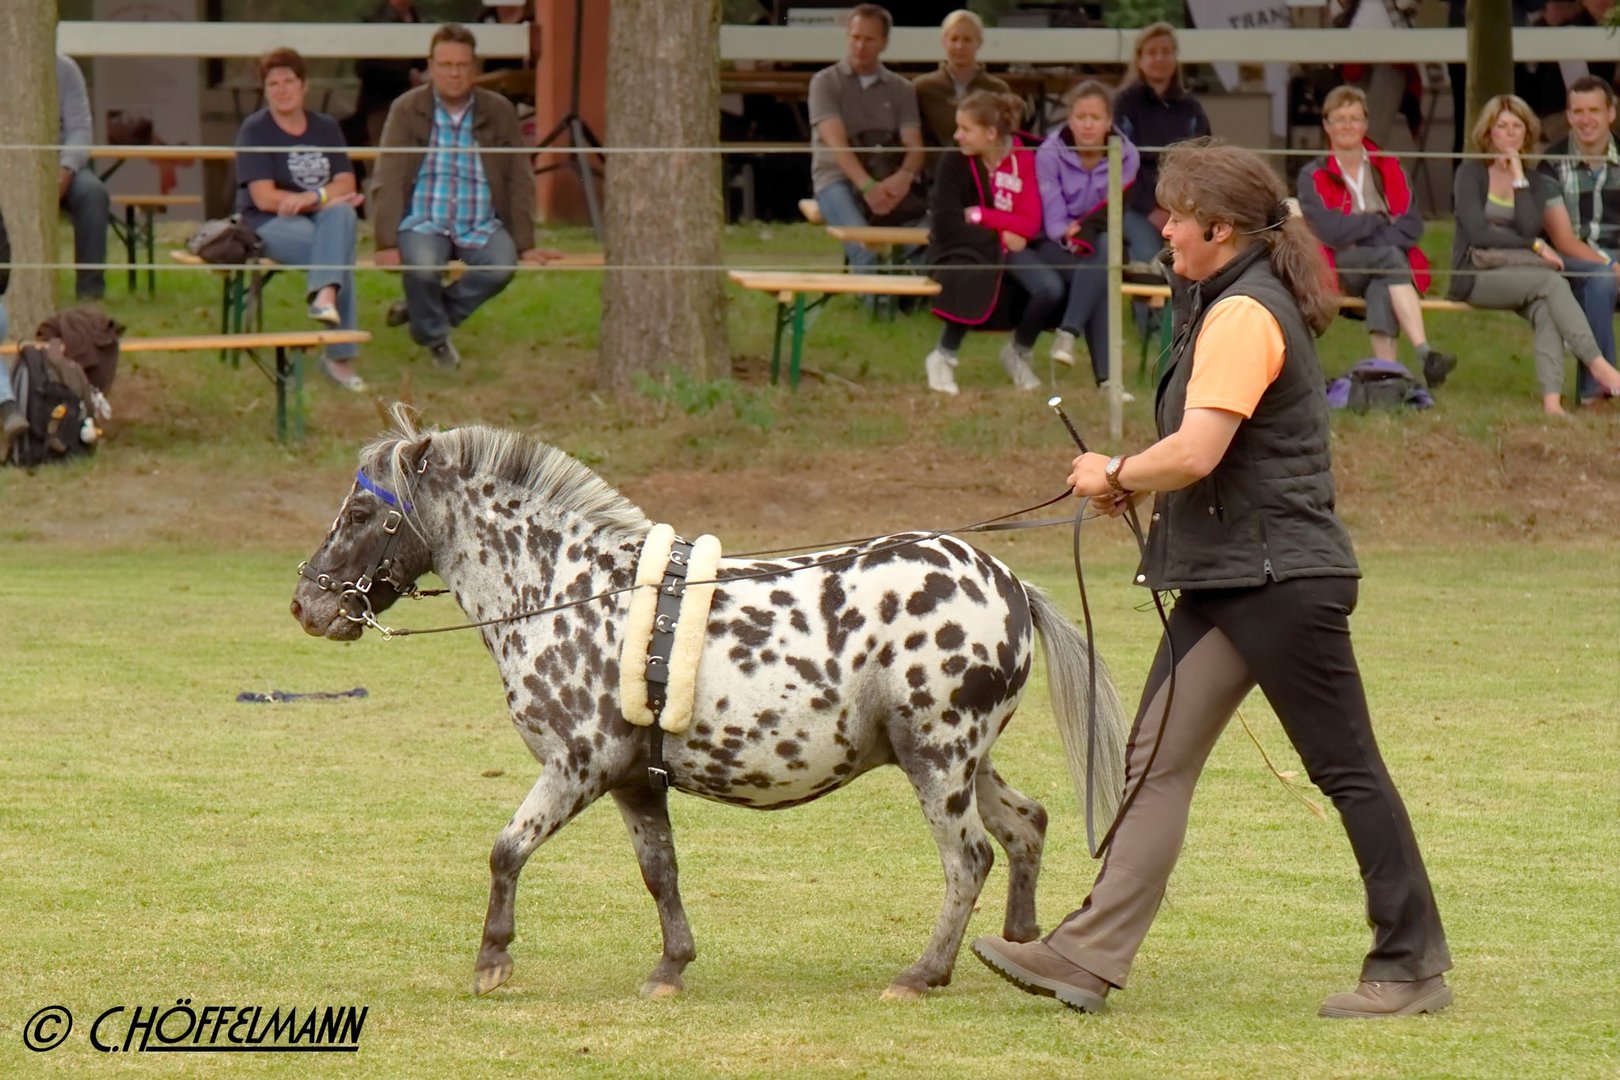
x=384 y=567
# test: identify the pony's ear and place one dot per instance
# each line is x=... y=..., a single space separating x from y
x=418 y=455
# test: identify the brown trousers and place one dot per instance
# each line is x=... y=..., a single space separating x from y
x=1292 y=639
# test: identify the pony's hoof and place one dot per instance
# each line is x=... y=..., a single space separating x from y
x=901 y=992
x=486 y=979
x=661 y=989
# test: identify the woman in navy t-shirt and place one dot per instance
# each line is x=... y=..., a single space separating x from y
x=301 y=200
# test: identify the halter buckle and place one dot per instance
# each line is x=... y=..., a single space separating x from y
x=391 y=522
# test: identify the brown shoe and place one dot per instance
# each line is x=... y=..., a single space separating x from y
x=1371 y=1000
x=1035 y=968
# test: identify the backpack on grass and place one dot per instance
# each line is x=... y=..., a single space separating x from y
x=58 y=403
x=1378 y=384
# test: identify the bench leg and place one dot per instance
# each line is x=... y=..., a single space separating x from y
x=782 y=318
x=289 y=375
x=151 y=254
x=131 y=245
x=798 y=341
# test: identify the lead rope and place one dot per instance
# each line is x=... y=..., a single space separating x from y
x=995 y=524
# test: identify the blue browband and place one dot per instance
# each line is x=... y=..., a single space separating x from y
x=378 y=490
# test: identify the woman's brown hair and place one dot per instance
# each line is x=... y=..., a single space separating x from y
x=992 y=110
x=1501 y=103
x=281 y=58
x=1148 y=33
x=1089 y=88
x=1217 y=183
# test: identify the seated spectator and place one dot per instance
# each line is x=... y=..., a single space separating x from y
x=1499 y=215
x=1072 y=166
x=301 y=200
x=984 y=210
x=1359 y=202
x=860 y=103
x=79 y=190
x=1582 y=217
x=430 y=208
x=1153 y=109
x=12 y=421
x=939 y=93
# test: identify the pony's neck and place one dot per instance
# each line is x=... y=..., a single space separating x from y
x=513 y=551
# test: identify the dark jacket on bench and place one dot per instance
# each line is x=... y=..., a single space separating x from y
x=495 y=124
x=975 y=288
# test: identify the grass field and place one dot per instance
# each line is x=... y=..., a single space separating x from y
x=160 y=841
x=164 y=841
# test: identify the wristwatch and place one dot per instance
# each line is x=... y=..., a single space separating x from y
x=1111 y=472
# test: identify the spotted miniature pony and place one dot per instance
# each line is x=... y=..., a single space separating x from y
x=912 y=650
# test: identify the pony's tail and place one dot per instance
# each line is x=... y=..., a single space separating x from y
x=1068 y=663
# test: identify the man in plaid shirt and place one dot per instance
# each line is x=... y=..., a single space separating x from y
x=458 y=201
x=1582 y=214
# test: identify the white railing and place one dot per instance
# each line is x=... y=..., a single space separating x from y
x=217 y=41
x=908 y=44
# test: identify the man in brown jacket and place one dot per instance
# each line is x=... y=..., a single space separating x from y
x=460 y=201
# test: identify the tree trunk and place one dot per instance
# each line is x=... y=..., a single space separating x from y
x=1490 y=57
x=28 y=177
x=663 y=209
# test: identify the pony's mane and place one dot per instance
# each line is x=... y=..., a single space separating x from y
x=521 y=460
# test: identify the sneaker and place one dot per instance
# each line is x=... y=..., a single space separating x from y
x=1436 y=366
x=1036 y=968
x=398 y=314
x=1016 y=363
x=1124 y=395
x=12 y=424
x=941 y=368
x=1373 y=1000
x=1063 y=348
x=445 y=357
x=325 y=313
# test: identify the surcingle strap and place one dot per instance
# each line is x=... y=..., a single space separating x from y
x=638 y=626
x=662 y=650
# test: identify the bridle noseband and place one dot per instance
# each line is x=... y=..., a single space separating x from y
x=384 y=568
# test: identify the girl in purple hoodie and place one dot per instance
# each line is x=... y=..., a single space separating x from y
x=1072 y=169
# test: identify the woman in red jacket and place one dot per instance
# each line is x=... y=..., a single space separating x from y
x=985 y=207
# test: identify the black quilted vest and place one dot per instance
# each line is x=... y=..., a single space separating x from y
x=1266 y=512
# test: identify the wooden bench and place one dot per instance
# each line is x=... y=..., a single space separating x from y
x=1158 y=296
x=139 y=229
x=792 y=310
x=288 y=369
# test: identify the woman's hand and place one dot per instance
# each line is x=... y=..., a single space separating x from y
x=1086 y=477
x=1013 y=241
x=293 y=203
x=1550 y=257
x=1072 y=231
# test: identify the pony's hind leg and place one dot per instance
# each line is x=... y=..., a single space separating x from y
x=946 y=793
x=548 y=807
x=646 y=815
x=1019 y=825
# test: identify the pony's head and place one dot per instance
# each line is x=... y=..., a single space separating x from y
x=375 y=550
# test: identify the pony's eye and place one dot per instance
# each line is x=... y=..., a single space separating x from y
x=358 y=516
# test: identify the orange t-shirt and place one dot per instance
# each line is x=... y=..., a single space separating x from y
x=1238 y=353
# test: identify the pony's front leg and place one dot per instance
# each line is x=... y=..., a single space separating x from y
x=646 y=815
x=550 y=805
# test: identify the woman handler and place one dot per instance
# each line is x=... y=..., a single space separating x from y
x=1243 y=525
